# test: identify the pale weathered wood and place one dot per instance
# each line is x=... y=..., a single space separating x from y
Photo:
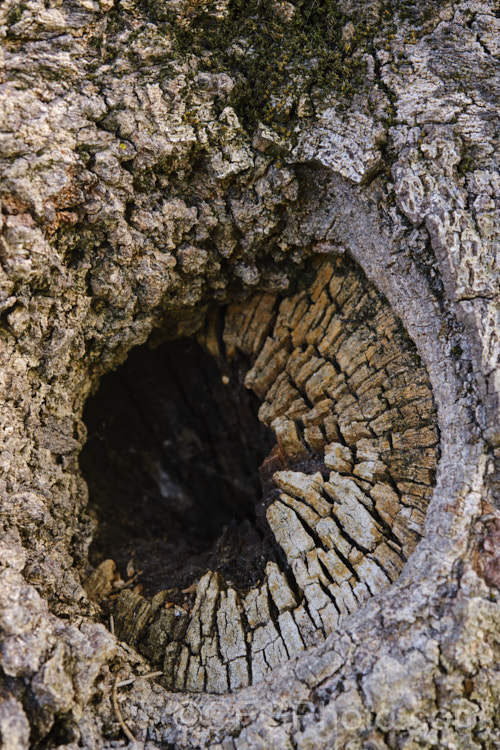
x=347 y=526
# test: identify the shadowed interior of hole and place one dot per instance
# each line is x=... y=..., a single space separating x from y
x=172 y=465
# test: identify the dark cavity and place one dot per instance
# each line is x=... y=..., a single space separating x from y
x=172 y=466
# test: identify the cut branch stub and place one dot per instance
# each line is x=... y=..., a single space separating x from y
x=345 y=489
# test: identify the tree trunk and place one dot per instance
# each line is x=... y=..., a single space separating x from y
x=275 y=522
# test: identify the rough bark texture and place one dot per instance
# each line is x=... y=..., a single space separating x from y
x=158 y=159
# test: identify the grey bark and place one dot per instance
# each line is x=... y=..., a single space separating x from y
x=136 y=189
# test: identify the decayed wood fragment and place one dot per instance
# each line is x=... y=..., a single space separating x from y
x=352 y=412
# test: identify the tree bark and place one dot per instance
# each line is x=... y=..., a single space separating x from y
x=310 y=190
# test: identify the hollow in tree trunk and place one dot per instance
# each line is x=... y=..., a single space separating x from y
x=249 y=344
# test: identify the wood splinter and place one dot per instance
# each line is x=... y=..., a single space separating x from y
x=118 y=712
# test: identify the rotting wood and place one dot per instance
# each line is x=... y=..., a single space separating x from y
x=353 y=415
